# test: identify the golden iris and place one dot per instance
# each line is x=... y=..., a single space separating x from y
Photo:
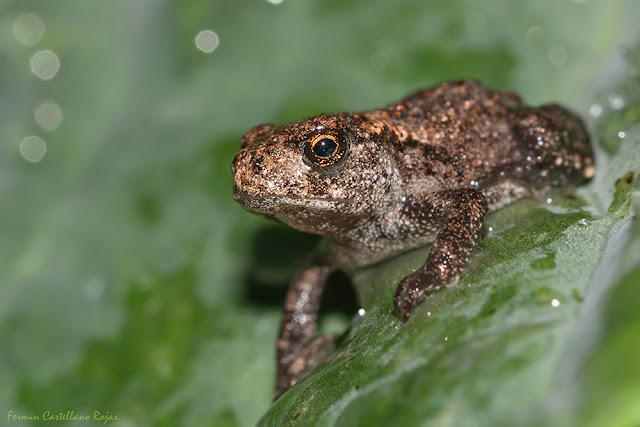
x=325 y=150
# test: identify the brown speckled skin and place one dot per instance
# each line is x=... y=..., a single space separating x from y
x=426 y=169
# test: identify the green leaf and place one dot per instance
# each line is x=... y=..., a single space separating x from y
x=541 y=329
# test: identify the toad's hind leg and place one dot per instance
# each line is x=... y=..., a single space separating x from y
x=297 y=350
x=557 y=142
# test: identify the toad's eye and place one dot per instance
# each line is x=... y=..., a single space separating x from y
x=325 y=147
x=326 y=150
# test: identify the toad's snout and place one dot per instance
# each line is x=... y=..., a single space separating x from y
x=252 y=174
x=248 y=162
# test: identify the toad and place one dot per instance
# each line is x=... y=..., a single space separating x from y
x=378 y=183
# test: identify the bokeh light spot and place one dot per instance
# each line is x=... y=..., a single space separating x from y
x=206 y=41
x=33 y=148
x=595 y=110
x=557 y=55
x=48 y=115
x=45 y=64
x=616 y=102
x=28 y=29
x=535 y=33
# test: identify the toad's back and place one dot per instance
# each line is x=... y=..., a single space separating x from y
x=462 y=134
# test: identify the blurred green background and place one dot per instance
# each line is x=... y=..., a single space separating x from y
x=130 y=282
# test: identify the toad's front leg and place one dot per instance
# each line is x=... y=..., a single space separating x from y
x=461 y=212
x=297 y=350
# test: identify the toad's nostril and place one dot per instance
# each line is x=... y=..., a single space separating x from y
x=248 y=164
x=257 y=162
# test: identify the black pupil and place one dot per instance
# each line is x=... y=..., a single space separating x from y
x=326 y=147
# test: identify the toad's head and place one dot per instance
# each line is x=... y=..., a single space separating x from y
x=319 y=175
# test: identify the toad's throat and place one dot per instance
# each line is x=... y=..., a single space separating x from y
x=250 y=200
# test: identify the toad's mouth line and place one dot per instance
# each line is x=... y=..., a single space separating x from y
x=243 y=197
